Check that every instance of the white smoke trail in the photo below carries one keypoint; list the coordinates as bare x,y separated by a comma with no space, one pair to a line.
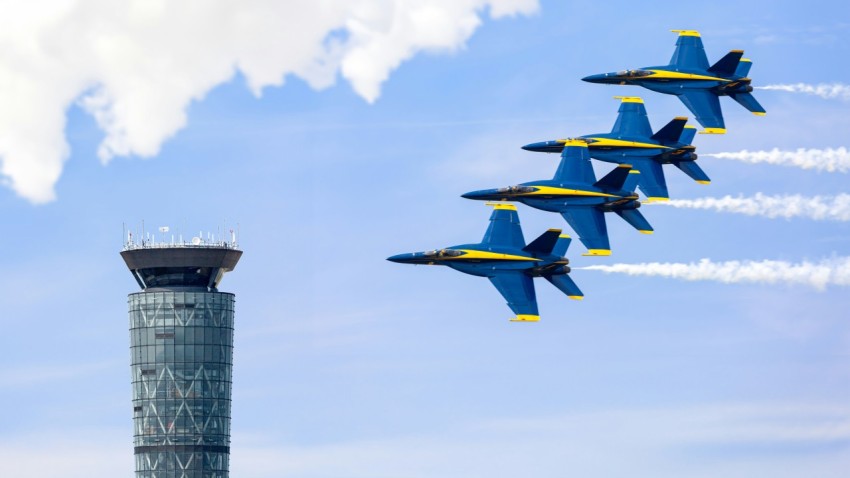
818,275
830,159
828,91
820,208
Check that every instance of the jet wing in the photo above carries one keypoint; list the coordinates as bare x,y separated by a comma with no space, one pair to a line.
632,120
518,289
705,105
589,224
689,53
651,180
575,163
504,228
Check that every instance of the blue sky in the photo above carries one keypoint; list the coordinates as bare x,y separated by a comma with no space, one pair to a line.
347,365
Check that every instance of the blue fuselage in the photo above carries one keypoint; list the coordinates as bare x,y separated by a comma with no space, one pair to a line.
554,196
482,260
612,148
672,81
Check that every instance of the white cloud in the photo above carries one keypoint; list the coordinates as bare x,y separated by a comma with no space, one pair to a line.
827,91
830,160
818,275
833,208
137,65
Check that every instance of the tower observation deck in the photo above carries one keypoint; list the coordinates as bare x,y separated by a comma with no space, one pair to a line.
181,343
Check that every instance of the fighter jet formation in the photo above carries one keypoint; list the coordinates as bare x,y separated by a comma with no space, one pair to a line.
510,264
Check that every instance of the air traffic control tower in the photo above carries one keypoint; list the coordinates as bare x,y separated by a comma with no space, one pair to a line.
181,342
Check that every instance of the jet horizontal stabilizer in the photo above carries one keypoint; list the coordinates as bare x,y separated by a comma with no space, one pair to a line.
748,101
566,285
693,170
636,219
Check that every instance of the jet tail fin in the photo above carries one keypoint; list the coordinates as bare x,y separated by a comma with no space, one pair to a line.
744,67
672,131
693,170
632,180
636,219
544,244
748,101
615,179
688,134
728,65
566,285
562,245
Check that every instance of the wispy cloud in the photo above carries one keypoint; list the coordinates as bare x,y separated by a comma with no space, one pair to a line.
30,375
827,91
137,68
668,441
835,271
822,208
830,160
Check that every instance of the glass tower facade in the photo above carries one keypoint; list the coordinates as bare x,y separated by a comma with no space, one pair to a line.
181,342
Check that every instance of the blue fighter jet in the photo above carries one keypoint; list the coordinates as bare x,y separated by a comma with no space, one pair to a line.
579,197
698,85
631,141
510,264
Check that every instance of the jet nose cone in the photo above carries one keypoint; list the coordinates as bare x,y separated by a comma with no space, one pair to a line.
401,258
481,195
544,147
600,78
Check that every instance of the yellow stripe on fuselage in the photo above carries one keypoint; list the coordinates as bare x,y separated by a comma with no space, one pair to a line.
472,254
553,191
580,142
678,75
619,143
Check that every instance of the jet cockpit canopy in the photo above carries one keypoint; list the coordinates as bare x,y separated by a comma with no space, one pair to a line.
516,189
443,253
633,73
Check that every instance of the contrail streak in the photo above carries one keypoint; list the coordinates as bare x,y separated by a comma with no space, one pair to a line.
820,208
830,159
827,91
818,275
